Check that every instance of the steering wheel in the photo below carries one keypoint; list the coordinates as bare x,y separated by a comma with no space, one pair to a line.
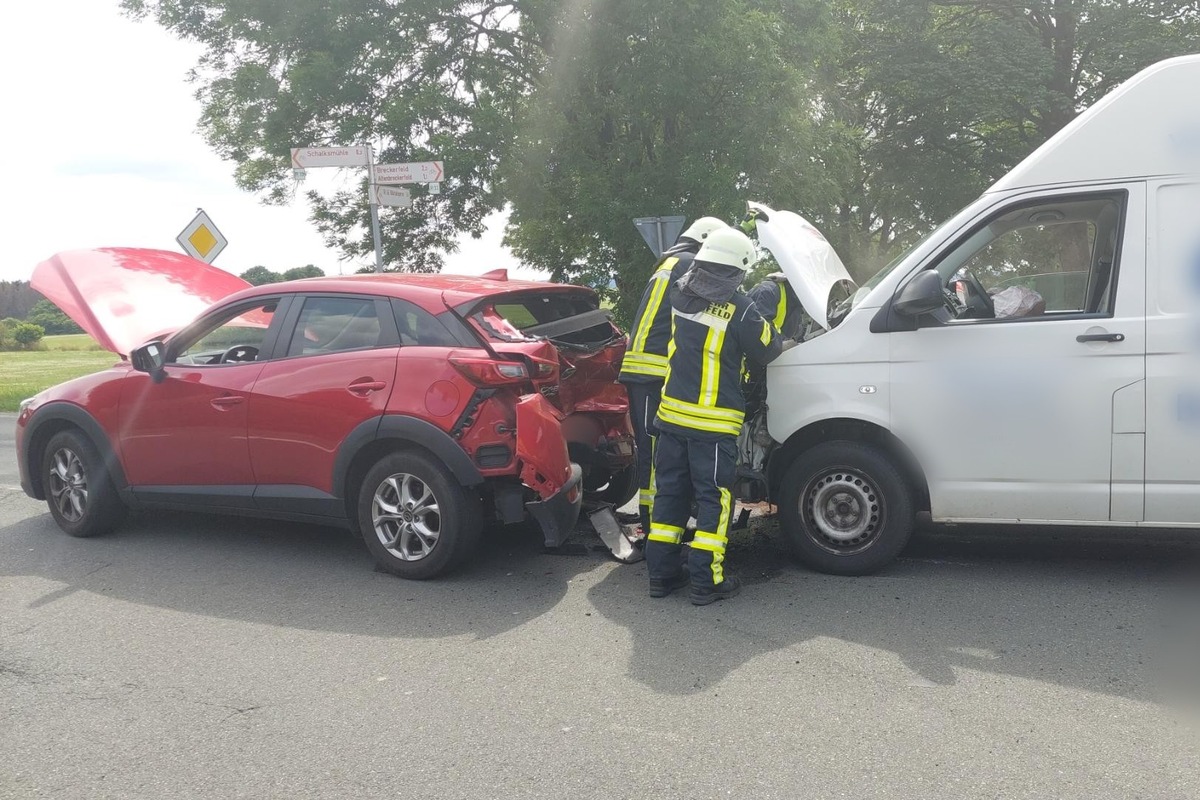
978,300
238,354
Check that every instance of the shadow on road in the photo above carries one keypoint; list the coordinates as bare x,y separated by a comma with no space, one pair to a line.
290,575
1101,611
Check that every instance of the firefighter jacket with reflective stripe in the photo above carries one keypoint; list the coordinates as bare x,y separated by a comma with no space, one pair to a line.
703,392
646,357
779,306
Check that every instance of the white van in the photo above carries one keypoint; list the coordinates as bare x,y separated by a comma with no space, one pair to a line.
1082,407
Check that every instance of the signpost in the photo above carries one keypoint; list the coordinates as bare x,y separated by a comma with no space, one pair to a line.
306,157
391,196
429,172
201,239
413,172
659,232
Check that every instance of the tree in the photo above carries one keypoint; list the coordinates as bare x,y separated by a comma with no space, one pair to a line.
876,119
929,102
257,276
51,319
307,271
581,119
655,109
16,298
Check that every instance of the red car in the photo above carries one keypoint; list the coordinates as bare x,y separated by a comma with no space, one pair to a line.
410,407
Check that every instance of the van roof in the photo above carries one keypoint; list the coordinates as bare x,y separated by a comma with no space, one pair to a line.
1148,126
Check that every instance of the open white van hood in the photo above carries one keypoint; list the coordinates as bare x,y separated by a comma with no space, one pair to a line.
812,267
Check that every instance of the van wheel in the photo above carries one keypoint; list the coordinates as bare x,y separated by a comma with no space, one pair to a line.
846,509
417,520
81,496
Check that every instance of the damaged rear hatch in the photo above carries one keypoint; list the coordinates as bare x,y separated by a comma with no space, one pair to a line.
572,405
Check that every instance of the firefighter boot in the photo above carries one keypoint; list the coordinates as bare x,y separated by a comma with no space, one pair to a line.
663,564
708,593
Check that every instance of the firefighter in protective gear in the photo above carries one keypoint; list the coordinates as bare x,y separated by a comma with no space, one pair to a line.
778,304
645,364
715,329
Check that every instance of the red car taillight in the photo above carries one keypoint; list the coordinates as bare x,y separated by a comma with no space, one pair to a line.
489,372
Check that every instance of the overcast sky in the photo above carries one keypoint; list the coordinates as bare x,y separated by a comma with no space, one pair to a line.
103,150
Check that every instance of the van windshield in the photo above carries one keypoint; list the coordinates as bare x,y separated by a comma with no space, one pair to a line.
849,304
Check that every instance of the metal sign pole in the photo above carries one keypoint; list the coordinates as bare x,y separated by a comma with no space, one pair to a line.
374,209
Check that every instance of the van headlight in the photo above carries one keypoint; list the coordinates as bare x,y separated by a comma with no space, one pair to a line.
26,404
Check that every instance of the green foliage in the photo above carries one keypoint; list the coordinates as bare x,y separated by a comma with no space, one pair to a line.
51,319
876,119
929,102
308,271
258,276
18,335
27,334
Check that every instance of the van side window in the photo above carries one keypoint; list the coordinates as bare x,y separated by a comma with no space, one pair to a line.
1055,257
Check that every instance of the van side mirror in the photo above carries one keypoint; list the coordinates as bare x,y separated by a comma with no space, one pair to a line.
921,295
151,358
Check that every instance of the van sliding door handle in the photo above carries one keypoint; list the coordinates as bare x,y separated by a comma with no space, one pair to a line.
1100,337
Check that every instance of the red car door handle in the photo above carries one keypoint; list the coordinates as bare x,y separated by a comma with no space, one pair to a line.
227,401
362,387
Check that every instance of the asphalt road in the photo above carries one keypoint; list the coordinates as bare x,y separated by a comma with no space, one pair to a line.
190,656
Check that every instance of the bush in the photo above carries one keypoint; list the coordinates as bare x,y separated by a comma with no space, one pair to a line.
26,334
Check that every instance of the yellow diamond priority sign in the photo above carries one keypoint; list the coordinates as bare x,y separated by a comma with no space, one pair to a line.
201,239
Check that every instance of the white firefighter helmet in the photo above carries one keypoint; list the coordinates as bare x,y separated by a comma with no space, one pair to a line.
699,230
729,247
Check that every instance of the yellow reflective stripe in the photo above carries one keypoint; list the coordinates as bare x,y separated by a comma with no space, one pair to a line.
661,278
698,424
671,534
765,337
726,511
654,372
716,545
710,412
645,358
781,311
707,541
644,364
710,368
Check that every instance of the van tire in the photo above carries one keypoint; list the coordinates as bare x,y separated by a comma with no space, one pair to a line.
845,508
458,519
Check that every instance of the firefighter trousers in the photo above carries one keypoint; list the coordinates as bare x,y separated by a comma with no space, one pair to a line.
643,409
688,469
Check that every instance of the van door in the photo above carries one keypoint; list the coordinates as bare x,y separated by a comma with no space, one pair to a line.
1173,354
1018,402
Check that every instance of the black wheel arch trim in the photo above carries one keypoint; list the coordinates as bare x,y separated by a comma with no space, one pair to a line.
77,416
408,429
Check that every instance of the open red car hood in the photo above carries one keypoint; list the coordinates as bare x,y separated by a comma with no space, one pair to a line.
125,296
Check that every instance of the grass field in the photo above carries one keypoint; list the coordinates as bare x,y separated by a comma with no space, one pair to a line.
27,372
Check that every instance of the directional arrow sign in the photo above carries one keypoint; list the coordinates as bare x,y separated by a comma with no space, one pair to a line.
201,239
391,196
414,172
304,157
